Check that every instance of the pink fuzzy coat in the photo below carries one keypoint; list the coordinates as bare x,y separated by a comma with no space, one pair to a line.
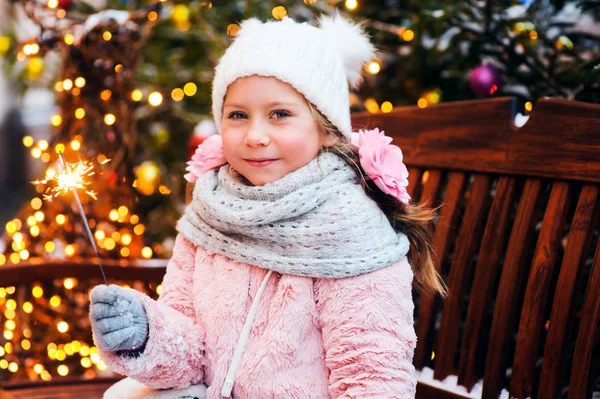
311,338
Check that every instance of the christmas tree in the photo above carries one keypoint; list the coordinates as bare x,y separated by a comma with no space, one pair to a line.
132,82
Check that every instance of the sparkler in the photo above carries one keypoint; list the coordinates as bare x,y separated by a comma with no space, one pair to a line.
73,176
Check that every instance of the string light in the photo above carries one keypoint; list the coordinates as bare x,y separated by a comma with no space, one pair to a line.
374,68
109,119
27,141
351,4
155,99
136,95
177,94
190,89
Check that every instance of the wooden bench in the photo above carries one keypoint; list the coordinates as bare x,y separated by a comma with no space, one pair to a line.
516,240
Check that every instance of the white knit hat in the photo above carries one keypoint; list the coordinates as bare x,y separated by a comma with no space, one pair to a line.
318,62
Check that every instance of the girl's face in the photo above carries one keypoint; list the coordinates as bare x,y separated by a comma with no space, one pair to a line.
268,129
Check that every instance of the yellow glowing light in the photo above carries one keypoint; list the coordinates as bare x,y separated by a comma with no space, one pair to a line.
408,35
80,82
39,216
61,219
36,152
233,29
126,239
8,334
38,368
164,190
52,3
85,350
177,94
119,68
279,12
136,95
528,106
2,351
31,221
55,301
37,291
27,333
139,229
155,99
134,219
109,119
62,327
95,357
374,68
152,16
125,252
56,120
13,367
86,362
371,105
3,364
351,4
387,107
101,365
36,203
69,349
45,157
60,148
8,347
10,325
2,260
49,247
147,252
67,84
109,244
11,304
10,290
45,376
106,95
62,370
24,254
27,307
70,250
190,89
61,14
123,211
99,234
34,231
26,344
27,141
79,113
113,215
11,227
159,289
58,86
69,283
107,36
75,145
69,39
422,103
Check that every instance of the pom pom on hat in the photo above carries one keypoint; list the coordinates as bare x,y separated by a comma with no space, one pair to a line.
352,43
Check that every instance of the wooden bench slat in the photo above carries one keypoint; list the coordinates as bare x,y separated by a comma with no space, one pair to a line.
414,182
589,332
460,272
441,244
565,295
486,272
506,309
538,285
480,136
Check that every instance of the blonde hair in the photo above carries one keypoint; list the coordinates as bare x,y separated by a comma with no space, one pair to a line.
416,221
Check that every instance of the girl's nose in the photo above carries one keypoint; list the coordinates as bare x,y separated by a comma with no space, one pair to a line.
257,136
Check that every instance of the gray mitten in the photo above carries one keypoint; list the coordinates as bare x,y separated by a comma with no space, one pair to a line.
119,321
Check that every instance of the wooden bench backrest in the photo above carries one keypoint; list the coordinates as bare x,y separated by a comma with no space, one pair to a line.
515,241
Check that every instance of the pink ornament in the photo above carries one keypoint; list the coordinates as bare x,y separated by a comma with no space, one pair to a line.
208,156
382,162
485,80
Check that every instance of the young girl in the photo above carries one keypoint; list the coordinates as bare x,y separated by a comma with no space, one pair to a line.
290,276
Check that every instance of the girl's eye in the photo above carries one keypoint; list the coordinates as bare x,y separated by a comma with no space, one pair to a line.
280,114
237,115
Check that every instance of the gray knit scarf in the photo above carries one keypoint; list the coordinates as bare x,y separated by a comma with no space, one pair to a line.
316,221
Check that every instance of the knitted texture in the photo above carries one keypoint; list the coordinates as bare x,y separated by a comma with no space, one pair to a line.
316,221
318,62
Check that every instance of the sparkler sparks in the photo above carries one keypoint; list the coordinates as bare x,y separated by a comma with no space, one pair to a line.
71,176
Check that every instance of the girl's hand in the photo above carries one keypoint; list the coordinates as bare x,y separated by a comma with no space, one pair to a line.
119,321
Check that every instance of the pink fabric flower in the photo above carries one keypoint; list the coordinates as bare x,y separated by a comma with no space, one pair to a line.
208,156
382,162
